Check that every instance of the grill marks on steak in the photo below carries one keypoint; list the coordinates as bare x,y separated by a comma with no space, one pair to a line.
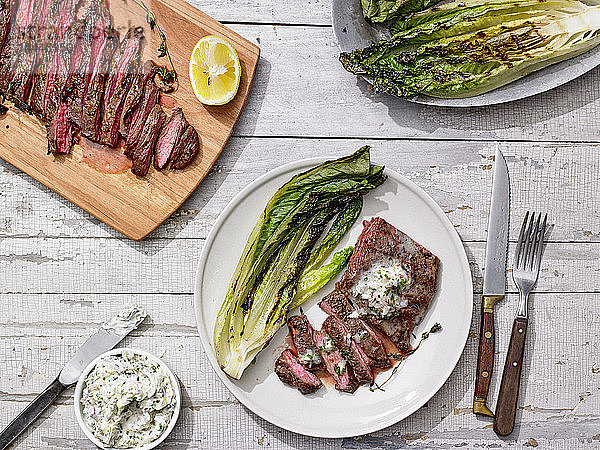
290,371
380,241
124,71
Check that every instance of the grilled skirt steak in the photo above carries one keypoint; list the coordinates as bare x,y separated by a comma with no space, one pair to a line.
52,71
169,138
150,98
380,243
335,363
349,349
336,303
186,150
62,60
290,371
302,335
8,9
143,152
124,71
19,41
61,132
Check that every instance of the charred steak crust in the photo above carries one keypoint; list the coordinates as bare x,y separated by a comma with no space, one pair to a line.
335,364
349,349
186,150
169,138
142,154
302,336
62,61
337,303
380,241
291,372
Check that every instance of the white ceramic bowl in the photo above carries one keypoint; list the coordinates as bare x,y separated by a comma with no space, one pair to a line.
79,390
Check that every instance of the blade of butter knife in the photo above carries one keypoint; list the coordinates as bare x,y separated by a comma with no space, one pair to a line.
98,343
494,280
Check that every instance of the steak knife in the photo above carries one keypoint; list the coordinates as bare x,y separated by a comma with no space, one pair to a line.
109,335
494,282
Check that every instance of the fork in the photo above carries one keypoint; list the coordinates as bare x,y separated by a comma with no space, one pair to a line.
526,268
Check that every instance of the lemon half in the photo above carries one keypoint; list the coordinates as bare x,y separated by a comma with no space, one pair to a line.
214,71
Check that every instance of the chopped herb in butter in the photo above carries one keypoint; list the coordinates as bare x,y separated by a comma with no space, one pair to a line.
128,400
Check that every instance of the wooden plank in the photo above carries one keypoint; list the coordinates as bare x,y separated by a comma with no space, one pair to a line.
136,205
559,403
81,266
312,12
302,90
558,178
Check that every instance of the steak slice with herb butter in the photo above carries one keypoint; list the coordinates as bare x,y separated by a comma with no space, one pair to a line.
391,279
302,335
291,372
336,303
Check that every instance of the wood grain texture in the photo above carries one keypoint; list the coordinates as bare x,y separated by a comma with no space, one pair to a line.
64,271
508,395
485,361
135,205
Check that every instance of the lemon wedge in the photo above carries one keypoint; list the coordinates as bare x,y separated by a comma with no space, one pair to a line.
214,71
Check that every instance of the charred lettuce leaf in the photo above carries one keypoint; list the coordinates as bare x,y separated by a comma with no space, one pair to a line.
465,49
279,253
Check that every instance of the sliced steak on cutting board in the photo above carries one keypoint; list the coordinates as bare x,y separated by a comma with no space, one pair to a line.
380,242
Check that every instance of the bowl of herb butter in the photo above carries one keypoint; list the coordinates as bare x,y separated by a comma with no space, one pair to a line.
127,398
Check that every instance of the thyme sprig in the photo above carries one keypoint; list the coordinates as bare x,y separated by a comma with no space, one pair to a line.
169,77
402,356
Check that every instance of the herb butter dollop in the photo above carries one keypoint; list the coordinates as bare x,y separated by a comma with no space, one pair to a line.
128,400
383,287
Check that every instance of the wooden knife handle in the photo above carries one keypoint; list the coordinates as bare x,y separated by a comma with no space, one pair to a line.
506,407
485,356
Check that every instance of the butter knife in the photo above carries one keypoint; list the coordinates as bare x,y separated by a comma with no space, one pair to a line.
494,282
109,335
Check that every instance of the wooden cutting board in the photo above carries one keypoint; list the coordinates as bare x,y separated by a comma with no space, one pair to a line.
137,205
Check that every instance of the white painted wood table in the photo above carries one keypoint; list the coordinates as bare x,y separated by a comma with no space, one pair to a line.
63,272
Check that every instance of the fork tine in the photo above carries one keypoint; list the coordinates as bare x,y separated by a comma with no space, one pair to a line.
534,242
540,245
527,243
519,248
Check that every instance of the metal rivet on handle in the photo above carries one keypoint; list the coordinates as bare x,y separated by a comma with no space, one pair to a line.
485,374
520,330
515,364
488,334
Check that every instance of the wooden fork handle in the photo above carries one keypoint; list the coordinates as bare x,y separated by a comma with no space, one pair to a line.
506,407
485,356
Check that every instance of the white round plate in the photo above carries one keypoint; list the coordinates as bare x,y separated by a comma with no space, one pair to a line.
326,412
352,31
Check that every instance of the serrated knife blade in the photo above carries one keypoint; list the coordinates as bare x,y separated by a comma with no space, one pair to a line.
494,278
494,281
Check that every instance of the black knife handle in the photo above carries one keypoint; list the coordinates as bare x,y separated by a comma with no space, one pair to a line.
32,412
485,356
